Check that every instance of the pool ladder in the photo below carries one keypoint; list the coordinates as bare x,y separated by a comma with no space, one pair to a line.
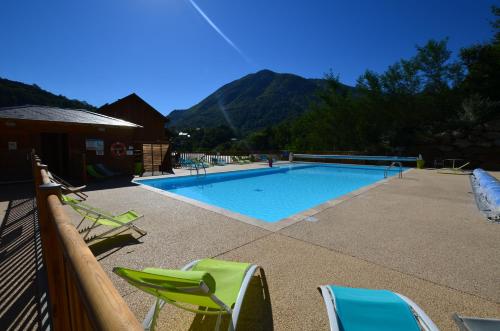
197,167
394,164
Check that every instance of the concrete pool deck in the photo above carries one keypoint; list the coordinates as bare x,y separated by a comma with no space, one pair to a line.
421,236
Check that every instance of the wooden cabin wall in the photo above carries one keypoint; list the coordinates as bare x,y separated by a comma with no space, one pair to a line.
15,164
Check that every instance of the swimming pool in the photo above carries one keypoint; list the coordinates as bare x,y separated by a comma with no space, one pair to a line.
272,194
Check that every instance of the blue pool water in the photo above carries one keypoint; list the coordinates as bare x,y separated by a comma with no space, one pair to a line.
274,193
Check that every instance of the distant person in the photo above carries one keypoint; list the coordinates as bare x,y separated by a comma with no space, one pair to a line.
270,161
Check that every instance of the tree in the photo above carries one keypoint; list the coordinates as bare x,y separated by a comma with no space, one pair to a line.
482,82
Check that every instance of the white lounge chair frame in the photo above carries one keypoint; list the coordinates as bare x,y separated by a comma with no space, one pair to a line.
329,298
455,171
464,323
65,186
95,224
149,323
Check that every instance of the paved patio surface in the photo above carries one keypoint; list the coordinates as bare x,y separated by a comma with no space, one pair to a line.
421,236
23,289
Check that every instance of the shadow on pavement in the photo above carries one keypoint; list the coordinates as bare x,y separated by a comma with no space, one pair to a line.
256,310
113,244
23,291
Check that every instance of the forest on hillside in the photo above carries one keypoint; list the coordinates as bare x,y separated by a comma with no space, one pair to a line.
14,93
414,100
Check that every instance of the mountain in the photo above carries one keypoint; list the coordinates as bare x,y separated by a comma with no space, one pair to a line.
14,93
253,102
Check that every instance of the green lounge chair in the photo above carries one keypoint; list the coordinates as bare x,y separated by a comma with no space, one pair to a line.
237,160
244,159
138,169
105,170
94,173
100,218
208,287
359,309
456,170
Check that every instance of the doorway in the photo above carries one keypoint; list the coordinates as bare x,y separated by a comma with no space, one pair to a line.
54,148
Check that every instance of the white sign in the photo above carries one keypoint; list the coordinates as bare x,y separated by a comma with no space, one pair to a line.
95,145
12,145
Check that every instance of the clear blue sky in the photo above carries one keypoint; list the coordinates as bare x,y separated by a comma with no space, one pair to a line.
166,51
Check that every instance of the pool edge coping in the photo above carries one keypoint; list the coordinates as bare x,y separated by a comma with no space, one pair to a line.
282,223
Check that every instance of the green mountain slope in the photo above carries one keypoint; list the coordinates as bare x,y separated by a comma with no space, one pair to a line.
253,102
14,93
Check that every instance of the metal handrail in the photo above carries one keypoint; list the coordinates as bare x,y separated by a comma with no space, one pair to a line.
393,164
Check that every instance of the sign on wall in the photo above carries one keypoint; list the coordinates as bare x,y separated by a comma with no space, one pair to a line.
96,145
12,145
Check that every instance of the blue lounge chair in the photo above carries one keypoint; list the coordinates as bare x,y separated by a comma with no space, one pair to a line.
186,163
218,161
358,309
193,165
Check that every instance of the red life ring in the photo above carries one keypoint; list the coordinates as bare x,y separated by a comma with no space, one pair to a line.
118,149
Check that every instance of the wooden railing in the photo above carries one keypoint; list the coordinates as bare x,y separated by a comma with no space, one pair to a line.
81,295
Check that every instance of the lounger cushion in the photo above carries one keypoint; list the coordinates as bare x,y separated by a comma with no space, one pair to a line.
365,310
181,278
223,278
172,285
228,276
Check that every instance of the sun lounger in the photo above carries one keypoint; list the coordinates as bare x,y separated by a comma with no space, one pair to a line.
476,324
207,287
66,187
184,163
455,171
105,171
244,159
138,169
101,218
239,160
201,164
218,161
191,165
356,309
94,173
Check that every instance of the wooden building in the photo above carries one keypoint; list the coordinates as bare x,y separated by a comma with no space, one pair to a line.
151,141
64,139
134,109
